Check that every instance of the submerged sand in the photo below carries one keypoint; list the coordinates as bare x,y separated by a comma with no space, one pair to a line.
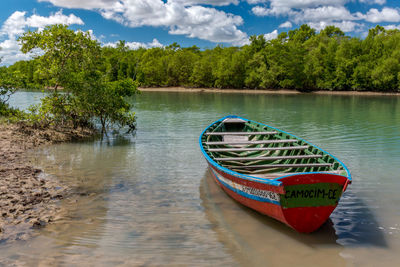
28,199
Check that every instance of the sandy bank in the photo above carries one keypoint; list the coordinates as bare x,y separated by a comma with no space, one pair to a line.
252,91
28,199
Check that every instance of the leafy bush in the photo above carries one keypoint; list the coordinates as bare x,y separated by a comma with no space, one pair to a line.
73,62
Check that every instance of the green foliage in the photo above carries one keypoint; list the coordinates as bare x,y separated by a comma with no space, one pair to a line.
105,100
10,113
58,109
66,52
75,63
202,75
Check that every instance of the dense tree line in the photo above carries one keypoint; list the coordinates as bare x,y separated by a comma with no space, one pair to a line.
299,59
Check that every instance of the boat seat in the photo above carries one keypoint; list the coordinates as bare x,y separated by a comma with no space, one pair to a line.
276,175
294,165
253,142
269,158
257,149
241,133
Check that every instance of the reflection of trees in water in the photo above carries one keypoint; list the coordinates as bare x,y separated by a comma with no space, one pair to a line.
92,172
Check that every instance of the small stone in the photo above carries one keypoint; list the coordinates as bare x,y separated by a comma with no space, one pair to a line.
36,223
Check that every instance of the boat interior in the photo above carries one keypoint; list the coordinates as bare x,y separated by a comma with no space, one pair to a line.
258,150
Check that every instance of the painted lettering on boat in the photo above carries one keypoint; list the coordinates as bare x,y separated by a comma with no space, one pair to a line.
311,195
316,193
260,193
264,194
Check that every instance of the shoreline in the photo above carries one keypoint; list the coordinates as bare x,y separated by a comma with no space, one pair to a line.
28,198
263,91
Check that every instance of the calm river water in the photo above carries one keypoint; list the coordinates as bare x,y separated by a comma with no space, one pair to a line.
149,199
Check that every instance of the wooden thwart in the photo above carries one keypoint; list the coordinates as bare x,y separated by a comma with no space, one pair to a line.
241,133
269,158
253,142
234,120
280,174
240,149
266,166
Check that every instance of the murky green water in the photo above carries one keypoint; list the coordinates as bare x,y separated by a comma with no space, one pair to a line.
149,199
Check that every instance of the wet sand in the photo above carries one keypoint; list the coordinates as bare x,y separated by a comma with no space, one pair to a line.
262,91
28,198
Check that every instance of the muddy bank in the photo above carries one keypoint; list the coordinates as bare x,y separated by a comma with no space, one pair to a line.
263,91
28,198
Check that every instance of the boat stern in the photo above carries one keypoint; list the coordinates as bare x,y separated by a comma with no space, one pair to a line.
309,199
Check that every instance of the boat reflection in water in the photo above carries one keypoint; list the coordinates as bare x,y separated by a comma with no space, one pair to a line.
254,239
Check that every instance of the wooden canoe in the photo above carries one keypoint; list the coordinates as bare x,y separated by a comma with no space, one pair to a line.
274,172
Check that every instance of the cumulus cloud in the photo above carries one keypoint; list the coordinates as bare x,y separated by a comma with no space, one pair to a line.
371,2
392,27
286,24
321,13
261,11
385,15
87,4
17,23
324,13
253,2
271,35
37,21
208,24
118,4
137,45
182,17
208,2
287,7
10,52
345,26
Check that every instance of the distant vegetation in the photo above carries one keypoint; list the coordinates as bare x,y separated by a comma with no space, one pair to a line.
96,80
299,59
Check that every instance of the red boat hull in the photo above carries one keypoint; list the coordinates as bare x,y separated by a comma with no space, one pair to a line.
303,202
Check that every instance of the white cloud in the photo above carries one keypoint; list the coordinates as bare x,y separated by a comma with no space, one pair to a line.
271,35
385,15
10,52
36,21
286,24
261,11
325,13
371,2
392,27
17,23
287,7
209,24
253,2
321,13
86,4
118,4
345,26
137,45
187,18
207,2
14,25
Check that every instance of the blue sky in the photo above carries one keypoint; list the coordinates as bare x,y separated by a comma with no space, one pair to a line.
152,23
